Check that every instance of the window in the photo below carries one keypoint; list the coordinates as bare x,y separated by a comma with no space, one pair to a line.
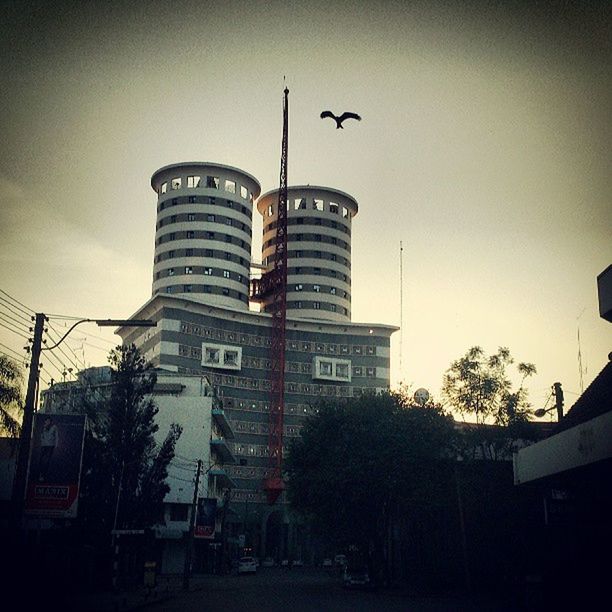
210,218
270,210
230,186
173,219
176,183
316,305
174,201
316,288
187,288
168,289
190,217
190,235
188,252
332,307
211,355
244,192
342,370
208,271
208,253
170,271
333,208
164,187
325,368
192,199
188,270
345,212
299,287
299,203
317,204
212,182
371,372
193,181
230,358
225,291
170,254
332,290
172,236
226,273
211,236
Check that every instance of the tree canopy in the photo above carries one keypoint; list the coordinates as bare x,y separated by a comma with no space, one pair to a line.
124,469
356,462
11,403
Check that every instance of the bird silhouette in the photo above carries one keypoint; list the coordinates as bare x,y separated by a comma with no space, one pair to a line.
341,118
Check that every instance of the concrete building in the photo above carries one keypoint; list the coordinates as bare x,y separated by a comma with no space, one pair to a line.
204,325
187,400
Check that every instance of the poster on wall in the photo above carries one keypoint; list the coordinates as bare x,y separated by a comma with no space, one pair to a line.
205,518
55,465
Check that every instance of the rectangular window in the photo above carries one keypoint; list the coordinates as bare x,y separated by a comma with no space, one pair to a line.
188,252
193,181
210,218
333,208
230,186
190,235
192,199
332,290
316,288
299,287
170,271
342,370
345,212
208,271
371,372
188,270
211,355
270,210
325,368
317,204
244,192
187,288
316,305
226,273
176,183
164,187
230,358
212,182
190,217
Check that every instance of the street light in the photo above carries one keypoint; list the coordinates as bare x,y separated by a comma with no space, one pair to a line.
19,482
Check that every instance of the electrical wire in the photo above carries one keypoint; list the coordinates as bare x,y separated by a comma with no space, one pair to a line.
18,305
14,331
15,321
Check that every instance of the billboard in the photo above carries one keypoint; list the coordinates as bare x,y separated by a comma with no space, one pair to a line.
205,518
55,465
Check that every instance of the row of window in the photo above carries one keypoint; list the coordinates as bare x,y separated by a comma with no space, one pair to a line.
300,410
202,235
308,305
318,272
194,199
251,473
300,254
258,428
312,238
208,182
312,204
304,346
207,289
319,289
211,253
200,218
204,271
317,221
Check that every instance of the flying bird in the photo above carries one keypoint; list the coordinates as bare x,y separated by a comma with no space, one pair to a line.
341,118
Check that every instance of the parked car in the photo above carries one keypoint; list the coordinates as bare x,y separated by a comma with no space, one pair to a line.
285,563
297,563
247,565
327,563
340,560
356,577
268,562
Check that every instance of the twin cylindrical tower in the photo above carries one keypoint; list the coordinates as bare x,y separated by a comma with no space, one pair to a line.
204,230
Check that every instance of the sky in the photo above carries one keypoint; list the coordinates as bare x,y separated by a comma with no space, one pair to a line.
483,150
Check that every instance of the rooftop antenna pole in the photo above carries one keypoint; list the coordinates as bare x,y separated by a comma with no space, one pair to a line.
401,308
580,352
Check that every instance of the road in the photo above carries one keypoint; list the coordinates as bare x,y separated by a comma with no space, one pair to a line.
307,590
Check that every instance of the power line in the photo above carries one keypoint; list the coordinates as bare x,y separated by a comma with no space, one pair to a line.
17,321
14,331
25,309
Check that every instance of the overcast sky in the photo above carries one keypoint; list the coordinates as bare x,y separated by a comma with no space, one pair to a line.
484,149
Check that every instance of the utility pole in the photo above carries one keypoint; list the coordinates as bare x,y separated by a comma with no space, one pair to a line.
21,471
189,547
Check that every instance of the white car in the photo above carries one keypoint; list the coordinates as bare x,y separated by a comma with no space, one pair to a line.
247,565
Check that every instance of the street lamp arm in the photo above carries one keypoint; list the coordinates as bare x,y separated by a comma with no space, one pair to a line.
48,348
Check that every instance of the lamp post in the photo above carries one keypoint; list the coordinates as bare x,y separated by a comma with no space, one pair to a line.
19,482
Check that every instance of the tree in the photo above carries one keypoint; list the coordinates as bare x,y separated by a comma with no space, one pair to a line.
357,463
11,404
480,387
124,470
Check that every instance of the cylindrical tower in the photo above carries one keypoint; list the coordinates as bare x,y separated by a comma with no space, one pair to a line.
203,232
318,250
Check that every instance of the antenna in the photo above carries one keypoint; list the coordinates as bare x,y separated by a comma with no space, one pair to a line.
401,308
580,352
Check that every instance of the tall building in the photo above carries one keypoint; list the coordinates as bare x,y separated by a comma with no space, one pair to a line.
204,325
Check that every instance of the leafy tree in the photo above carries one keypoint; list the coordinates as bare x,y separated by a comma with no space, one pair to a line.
124,469
479,386
357,463
11,404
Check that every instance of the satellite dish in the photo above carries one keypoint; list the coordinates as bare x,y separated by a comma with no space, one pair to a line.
421,396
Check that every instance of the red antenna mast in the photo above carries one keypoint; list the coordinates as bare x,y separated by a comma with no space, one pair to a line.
274,284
